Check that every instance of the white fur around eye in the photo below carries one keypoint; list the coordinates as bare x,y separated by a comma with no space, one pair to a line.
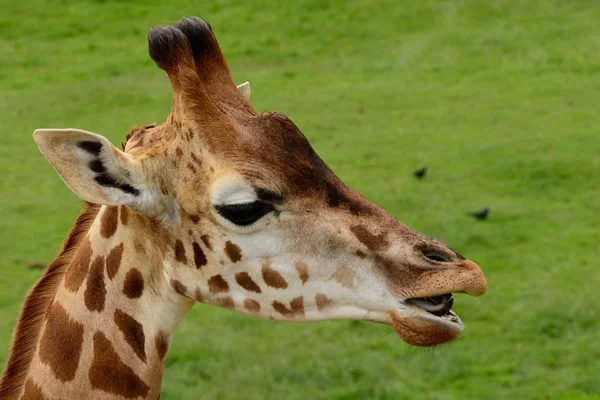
233,193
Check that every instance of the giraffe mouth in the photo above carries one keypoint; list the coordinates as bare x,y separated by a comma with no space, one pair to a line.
440,305
435,308
427,321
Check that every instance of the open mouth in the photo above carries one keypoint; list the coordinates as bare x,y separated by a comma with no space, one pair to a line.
440,306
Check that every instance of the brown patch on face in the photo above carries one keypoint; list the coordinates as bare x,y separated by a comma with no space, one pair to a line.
178,152
199,257
32,391
191,167
302,269
233,251
133,332
345,276
110,374
113,261
190,134
206,240
273,278
217,284
225,302
195,218
95,289
244,280
322,301
361,254
180,252
161,341
134,284
124,214
296,307
79,267
109,221
60,346
196,159
373,242
179,287
252,305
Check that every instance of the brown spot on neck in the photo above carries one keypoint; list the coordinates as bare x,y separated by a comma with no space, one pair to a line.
373,242
252,305
322,301
95,290
124,214
225,302
233,251
133,332
113,261
206,240
244,280
199,257
161,341
296,307
110,374
195,218
178,287
79,266
180,252
302,269
217,284
29,326
32,391
60,346
273,278
109,221
134,284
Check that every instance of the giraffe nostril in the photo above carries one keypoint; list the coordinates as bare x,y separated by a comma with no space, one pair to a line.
436,256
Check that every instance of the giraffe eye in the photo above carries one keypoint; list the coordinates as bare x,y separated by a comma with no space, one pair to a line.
244,214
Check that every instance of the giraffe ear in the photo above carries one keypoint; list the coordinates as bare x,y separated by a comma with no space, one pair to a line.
245,89
97,171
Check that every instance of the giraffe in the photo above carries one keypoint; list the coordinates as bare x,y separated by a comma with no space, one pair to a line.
219,204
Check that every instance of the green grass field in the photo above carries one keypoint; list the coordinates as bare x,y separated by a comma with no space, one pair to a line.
500,99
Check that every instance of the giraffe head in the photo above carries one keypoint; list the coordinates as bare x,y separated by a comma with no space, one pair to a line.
248,217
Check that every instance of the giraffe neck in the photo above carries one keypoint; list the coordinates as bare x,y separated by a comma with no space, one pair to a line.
109,326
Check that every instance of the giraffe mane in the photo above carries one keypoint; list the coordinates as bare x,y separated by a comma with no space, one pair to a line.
28,330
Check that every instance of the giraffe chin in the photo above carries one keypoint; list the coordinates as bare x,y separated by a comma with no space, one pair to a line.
420,328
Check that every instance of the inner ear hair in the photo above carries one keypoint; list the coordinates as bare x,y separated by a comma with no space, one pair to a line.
102,175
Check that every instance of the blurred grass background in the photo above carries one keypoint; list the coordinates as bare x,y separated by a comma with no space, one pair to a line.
499,99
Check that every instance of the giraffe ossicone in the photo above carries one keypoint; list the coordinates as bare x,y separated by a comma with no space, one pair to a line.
219,204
